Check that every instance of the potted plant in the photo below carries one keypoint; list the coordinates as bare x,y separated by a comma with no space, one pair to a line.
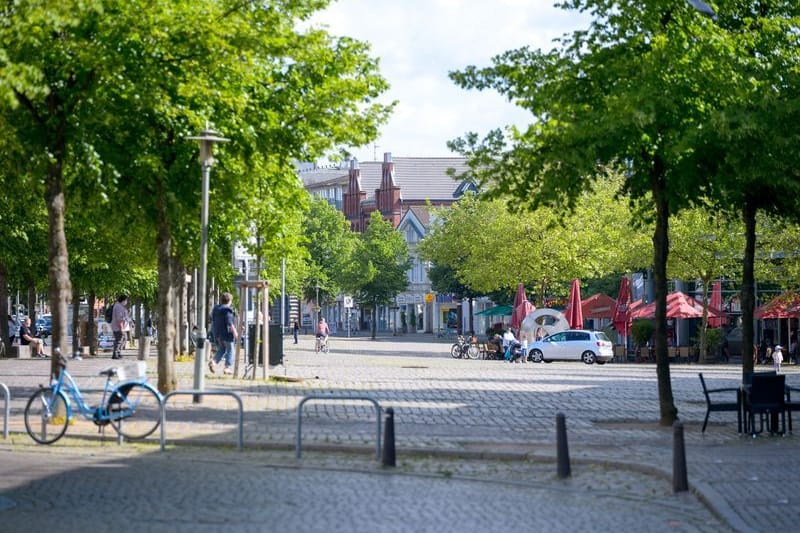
641,333
403,323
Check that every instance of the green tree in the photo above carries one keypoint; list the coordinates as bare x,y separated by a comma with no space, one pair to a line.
749,149
630,90
378,272
542,248
705,245
330,244
119,87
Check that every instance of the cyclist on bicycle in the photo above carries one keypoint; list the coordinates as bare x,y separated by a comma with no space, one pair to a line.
322,332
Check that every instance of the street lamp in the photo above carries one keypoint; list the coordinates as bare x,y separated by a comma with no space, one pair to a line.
207,138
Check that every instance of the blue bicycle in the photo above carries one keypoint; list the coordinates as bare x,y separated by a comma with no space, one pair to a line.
131,405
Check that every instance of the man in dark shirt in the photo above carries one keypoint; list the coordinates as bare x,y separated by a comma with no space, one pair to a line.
26,338
223,328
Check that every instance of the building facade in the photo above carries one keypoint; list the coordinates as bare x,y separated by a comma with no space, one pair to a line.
406,191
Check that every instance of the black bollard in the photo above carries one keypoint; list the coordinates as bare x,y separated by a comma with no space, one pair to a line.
562,449
388,439
680,480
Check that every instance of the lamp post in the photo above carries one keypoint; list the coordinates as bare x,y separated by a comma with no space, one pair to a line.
207,138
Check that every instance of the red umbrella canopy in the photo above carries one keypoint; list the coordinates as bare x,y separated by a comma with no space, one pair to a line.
622,311
598,306
574,312
521,307
679,305
716,303
786,305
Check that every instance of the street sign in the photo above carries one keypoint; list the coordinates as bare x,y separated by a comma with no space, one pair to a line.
348,302
428,298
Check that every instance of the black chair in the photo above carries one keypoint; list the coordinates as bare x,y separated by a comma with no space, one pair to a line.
734,406
790,405
747,382
767,398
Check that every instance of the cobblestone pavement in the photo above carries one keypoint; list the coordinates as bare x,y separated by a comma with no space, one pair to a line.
500,416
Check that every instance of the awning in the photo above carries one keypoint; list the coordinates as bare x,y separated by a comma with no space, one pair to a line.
497,310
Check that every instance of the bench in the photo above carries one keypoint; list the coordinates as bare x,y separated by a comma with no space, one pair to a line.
20,351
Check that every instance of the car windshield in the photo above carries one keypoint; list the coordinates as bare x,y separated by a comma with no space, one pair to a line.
601,336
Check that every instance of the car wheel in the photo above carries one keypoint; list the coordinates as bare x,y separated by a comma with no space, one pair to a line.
588,357
536,356
600,362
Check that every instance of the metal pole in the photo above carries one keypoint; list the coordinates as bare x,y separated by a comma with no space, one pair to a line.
200,358
283,295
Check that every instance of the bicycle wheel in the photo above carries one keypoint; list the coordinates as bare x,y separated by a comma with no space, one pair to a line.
46,416
473,352
134,410
455,351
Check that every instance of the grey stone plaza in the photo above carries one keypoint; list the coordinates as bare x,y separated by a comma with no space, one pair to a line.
475,442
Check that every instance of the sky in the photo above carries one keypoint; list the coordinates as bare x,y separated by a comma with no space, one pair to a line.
420,41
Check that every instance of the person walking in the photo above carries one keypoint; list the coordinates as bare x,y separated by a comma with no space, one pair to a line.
119,318
777,358
295,330
223,327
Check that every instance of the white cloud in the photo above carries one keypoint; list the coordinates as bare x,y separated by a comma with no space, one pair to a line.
420,41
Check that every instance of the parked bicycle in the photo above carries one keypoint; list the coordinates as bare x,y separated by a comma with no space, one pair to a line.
463,349
131,405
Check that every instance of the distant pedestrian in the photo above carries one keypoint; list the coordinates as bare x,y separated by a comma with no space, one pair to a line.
777,358
119,318
295,330
12,330
223,327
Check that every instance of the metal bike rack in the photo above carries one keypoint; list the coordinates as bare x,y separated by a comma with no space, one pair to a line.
299,445
202,393
7,410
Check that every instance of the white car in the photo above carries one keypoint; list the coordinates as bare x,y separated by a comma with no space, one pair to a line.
573,344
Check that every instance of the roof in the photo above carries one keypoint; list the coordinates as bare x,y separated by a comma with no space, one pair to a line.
419,178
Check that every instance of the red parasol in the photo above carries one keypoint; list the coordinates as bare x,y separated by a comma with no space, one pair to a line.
622,313
574,312
716,303
786,305
678,306
521,307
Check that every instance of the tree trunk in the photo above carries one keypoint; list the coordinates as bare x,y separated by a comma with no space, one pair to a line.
31,300
4,306
175,271
167,381
471,317
76,321
375,320
668,411
704,322
91,333
748,287
59,289
191,306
